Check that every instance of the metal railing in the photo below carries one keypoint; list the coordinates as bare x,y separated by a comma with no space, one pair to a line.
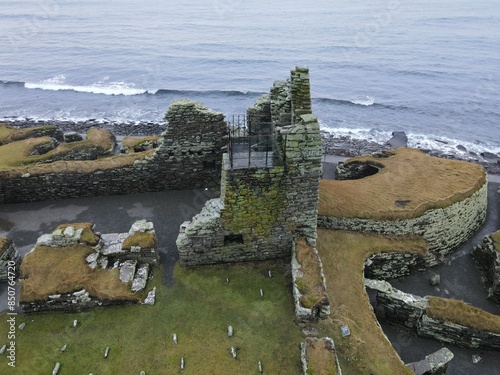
249,150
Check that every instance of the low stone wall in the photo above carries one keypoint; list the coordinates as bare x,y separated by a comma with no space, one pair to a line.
134,265
409,311
189,157
487,256
444,229
318,356
9,260
316,293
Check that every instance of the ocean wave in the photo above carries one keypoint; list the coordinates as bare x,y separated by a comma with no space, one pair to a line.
204,93
105,87
58,83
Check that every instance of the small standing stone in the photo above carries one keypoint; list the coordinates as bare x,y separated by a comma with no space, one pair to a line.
22,325
261,293
56,368
233,352
142,373
174,338
75,323
63,349
106,352
2,350
230,331
270,274
227,280
260,367
182,363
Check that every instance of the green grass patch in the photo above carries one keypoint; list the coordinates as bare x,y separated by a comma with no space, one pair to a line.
320,360
459,312
420,181
366,350
145,240
198,308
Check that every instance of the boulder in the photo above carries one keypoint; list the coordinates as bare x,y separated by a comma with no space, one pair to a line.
399,139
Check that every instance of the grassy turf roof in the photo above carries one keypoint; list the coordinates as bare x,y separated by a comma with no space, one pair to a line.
10,134
132,142
459,312
366,350
48,270
409,184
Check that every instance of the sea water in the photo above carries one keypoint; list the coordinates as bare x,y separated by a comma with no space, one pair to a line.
429,68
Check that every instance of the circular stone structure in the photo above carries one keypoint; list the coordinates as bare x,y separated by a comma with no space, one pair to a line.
442,200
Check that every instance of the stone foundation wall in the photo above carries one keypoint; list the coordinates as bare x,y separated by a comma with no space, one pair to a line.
10,260
444,230
309,359
409,311
487,257
321,307
189,157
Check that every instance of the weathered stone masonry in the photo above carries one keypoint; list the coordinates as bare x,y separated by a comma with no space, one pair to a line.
487,256
261,209
410,311
189,157
444,229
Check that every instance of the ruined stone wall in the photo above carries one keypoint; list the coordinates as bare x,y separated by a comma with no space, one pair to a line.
487,257
261,209
189,157
444,229
409,311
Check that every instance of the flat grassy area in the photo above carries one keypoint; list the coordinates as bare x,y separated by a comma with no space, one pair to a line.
410,183
459,312
366,350
4,244
49,270
198,308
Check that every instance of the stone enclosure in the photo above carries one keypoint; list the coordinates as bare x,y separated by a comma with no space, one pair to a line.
103,269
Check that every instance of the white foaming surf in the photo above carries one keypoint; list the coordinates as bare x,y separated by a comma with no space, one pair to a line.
104,86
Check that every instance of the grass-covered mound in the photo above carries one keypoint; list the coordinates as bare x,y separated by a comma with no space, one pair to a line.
198,308
50,270
21,152
459,312
408,184
10,134
366,350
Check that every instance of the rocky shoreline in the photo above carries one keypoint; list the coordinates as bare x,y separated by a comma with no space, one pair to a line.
339,145
349,147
